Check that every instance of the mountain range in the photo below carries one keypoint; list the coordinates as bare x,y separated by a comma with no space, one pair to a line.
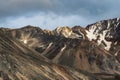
77,53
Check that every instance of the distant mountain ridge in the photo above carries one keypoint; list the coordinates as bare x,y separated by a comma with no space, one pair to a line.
95,49
105,33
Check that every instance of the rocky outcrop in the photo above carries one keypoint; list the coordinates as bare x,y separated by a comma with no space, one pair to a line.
67,33
106,34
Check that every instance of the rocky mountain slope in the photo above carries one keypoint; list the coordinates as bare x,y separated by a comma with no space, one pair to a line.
19,62
106,34
95,49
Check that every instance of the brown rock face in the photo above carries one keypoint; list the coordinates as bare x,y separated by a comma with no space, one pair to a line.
83,55
63,31
67,33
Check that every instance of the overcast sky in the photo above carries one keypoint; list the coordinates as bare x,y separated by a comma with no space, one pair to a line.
49,14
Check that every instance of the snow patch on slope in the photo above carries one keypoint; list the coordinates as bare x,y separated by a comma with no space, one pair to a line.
93,34
50,45
63,48
24,41
90,34
102,38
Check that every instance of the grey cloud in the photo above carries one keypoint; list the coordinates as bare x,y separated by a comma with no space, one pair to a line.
90,9
46,21
81,7
17,7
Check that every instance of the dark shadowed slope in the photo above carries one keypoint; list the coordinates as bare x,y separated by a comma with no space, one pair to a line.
18,62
